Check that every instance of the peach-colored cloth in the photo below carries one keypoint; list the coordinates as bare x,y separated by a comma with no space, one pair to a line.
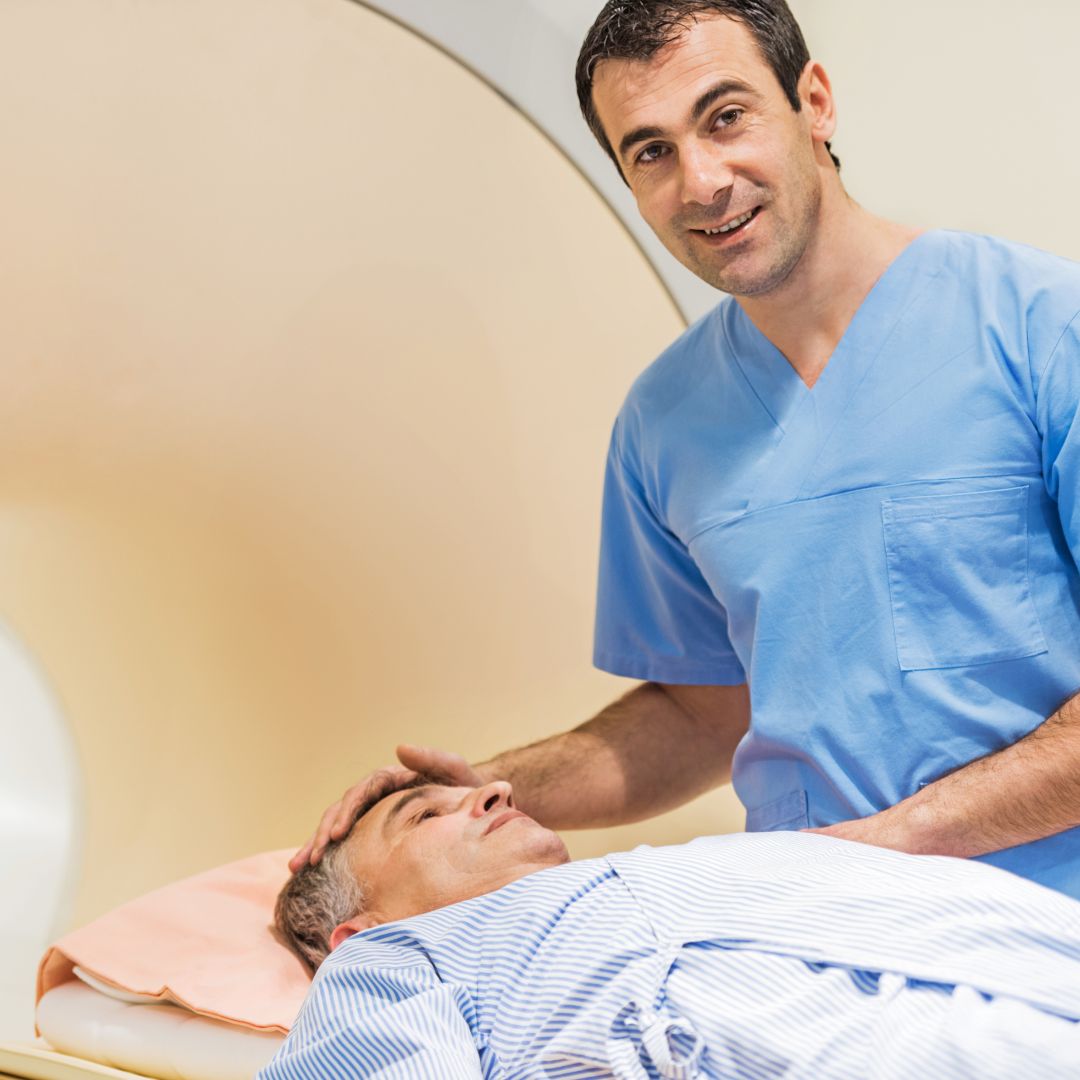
205,942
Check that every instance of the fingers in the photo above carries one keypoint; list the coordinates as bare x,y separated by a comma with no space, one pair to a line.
300,859
323,833
338,818
417,758
372,788
313,849
441,764
427,760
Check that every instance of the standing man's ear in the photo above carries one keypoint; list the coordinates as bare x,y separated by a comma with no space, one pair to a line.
818,102
345,930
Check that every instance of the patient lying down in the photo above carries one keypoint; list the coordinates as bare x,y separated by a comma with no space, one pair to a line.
463,942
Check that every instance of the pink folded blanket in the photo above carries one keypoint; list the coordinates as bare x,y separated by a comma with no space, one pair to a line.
206,943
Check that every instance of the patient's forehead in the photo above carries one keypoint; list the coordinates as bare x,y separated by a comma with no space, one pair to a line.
391,812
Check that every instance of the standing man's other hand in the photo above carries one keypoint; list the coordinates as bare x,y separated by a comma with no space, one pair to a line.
890,828
415,761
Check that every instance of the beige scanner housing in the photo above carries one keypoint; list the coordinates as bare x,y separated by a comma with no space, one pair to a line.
312,349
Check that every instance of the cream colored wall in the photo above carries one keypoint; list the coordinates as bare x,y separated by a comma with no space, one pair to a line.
312,350
959,114
312,345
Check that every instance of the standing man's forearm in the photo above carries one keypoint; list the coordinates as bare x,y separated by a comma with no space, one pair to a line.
1025,792
652,750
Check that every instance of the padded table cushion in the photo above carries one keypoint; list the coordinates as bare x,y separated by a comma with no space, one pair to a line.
162,1041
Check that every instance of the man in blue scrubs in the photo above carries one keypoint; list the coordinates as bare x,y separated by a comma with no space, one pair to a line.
840,525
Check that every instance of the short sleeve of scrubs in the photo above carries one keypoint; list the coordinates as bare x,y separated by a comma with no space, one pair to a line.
656,618
1058,419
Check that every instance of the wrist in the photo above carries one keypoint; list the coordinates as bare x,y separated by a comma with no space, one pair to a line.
489,770
912,826
925,825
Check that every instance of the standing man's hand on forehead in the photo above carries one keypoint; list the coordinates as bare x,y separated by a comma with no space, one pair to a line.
441,765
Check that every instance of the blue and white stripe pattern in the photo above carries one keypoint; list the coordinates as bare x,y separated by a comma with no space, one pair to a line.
761,956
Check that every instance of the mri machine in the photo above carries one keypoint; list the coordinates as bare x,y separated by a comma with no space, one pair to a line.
320,314
324,311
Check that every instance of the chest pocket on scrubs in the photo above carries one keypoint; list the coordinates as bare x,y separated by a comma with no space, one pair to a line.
958,578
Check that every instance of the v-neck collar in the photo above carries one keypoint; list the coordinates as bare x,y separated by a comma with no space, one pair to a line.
777,384
805,418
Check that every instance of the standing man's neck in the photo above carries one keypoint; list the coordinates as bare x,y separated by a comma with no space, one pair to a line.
807,315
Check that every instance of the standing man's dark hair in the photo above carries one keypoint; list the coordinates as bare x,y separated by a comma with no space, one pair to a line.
637,29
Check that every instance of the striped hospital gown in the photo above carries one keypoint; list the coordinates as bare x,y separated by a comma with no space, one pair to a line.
761,955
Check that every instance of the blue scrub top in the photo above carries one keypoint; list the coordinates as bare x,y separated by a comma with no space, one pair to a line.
889,559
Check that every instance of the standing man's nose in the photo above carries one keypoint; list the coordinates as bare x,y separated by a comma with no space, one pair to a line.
705,174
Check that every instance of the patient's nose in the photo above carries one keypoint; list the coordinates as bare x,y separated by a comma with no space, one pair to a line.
492,796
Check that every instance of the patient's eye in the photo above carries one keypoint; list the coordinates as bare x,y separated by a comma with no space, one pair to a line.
425,814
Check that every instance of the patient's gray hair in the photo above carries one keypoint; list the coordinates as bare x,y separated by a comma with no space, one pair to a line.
319,898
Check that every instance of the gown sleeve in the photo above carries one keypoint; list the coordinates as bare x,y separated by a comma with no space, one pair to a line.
388,1017
656,617
1057,414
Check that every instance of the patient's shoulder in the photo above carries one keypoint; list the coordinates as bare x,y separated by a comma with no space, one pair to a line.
529,901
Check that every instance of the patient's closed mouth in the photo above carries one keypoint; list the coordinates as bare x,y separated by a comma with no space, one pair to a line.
502,818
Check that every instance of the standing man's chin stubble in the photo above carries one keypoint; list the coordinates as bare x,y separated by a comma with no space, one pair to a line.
730,280
781,251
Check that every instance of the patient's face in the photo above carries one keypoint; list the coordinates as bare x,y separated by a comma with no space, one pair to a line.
428,847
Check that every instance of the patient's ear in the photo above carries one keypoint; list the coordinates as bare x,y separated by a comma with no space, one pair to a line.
345,930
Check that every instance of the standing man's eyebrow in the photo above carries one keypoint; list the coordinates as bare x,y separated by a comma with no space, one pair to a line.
412,796
721,89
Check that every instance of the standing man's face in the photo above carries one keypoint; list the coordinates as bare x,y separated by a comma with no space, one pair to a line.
705,135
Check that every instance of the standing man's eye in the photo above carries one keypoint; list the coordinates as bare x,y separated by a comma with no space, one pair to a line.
734,113
643,160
